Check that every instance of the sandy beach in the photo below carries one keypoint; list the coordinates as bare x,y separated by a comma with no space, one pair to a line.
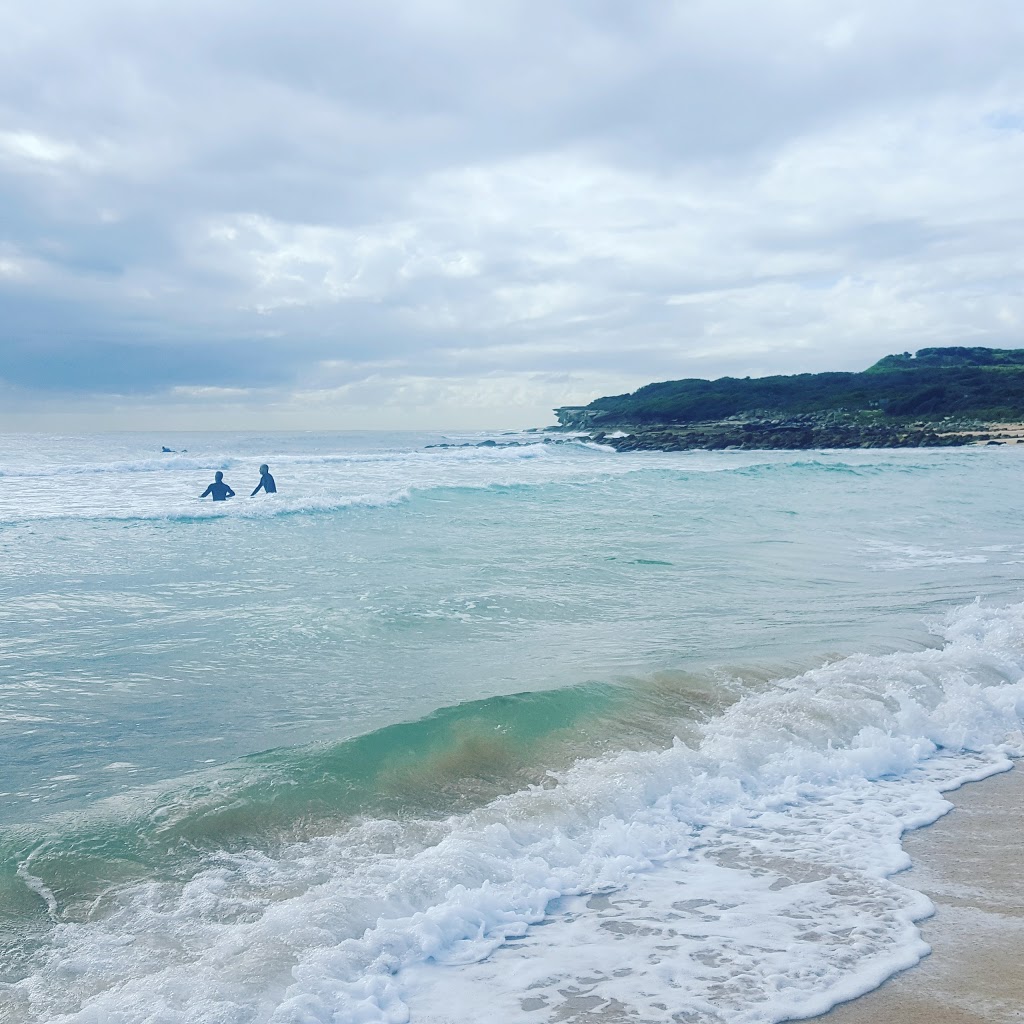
970,864
1008,431
1004,433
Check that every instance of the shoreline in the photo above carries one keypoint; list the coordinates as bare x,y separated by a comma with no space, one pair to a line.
969,864
801,432
807,432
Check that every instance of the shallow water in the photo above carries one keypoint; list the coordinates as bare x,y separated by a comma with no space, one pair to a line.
546,722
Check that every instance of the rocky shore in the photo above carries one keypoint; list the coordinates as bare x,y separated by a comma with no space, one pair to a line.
759,433
804,431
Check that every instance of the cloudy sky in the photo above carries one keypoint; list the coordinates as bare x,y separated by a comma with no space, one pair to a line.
460,213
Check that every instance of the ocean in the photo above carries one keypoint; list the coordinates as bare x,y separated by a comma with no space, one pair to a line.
530,731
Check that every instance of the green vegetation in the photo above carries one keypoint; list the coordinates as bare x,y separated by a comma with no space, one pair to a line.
976,383
956,355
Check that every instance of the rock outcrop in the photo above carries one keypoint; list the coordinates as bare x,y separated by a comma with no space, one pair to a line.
795,432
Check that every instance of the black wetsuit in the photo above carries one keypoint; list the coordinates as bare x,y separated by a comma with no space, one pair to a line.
218,490
267,483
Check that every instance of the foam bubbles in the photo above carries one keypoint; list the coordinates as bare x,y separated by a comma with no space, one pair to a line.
746,877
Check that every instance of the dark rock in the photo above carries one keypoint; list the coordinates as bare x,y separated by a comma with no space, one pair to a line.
798,432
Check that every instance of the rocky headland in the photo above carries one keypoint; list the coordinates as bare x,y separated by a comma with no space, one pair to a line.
937,398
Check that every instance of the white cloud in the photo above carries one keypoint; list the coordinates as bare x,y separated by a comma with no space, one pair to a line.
216,394
278,264
37,149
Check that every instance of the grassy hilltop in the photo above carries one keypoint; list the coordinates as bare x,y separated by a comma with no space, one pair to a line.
983,384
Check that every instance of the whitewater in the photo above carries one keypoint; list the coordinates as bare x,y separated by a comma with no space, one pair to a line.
531,729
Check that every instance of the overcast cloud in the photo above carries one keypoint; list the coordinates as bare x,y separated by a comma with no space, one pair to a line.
446,213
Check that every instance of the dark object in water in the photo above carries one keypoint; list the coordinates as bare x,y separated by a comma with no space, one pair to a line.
218,490
266,482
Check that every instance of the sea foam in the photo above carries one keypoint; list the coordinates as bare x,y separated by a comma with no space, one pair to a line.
746,876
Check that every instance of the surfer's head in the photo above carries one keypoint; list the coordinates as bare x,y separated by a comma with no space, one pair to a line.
264,469
218,476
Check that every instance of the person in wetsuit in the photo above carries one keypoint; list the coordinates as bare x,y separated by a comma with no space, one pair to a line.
218,490
266,482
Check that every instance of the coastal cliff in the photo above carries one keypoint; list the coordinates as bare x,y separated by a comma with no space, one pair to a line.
938,397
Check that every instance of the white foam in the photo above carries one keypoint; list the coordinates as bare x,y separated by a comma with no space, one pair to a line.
746,879
44,485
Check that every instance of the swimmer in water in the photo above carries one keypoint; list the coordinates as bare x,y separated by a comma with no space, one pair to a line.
218,490
266,482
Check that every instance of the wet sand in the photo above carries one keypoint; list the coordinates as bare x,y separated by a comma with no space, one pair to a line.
970,863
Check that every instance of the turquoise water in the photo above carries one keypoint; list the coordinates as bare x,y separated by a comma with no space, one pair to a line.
452,689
